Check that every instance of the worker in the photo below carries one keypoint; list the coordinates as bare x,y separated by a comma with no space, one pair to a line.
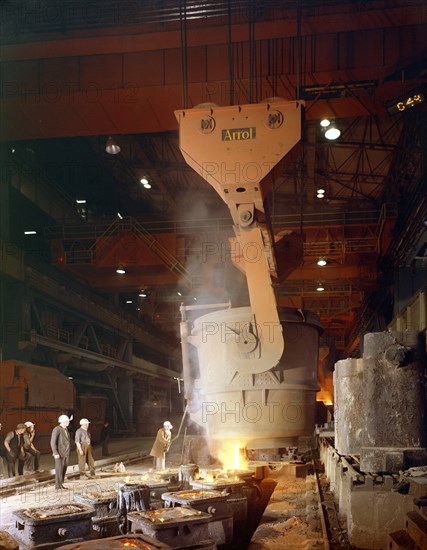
84,448
32,460
14,446
60,444
162,445
105,437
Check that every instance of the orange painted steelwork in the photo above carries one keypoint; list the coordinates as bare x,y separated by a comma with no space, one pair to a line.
34,393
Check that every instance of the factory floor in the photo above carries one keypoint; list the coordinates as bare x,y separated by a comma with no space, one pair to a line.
291,519
38,494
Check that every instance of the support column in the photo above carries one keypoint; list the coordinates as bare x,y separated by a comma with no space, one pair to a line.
5,177
14,321
125,396
348,416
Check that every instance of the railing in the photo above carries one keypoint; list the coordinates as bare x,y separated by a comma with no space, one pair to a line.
88,305
79,257
325,219
84,342
108,350
127,224
102,241
214,225
161,252
60,335
56,333
414,314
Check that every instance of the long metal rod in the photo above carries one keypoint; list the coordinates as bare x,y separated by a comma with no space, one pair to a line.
147,368
185,347
205,306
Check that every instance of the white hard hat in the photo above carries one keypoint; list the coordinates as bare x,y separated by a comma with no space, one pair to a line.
63,418
29,424
167,424
84,421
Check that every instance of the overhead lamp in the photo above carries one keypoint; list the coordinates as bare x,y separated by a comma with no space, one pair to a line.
330,129
325,123
128,301
121,270
320,287
142,295
332,132
179,293
81,201
321,262
112,147
30,232
145,183
119,216
320,193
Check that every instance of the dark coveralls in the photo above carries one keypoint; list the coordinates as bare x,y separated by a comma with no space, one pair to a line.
60,445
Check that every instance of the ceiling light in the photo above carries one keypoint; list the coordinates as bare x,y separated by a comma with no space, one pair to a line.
320,287
81,201
145,183
179,293
332,132
321,191
195,299
142,295
112,147
119,215
320,196
128,301
325,123
120,270
321,262
31,232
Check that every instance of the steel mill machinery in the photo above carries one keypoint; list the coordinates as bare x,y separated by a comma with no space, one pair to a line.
248,390
36,393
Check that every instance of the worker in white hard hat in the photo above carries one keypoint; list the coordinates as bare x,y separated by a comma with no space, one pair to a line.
15,450
61,444
162,445
32,461
84,448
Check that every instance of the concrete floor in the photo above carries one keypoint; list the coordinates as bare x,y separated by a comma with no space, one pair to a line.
291,520
116,447
44,494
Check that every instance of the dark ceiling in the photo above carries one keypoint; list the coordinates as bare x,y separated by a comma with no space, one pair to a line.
74,73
